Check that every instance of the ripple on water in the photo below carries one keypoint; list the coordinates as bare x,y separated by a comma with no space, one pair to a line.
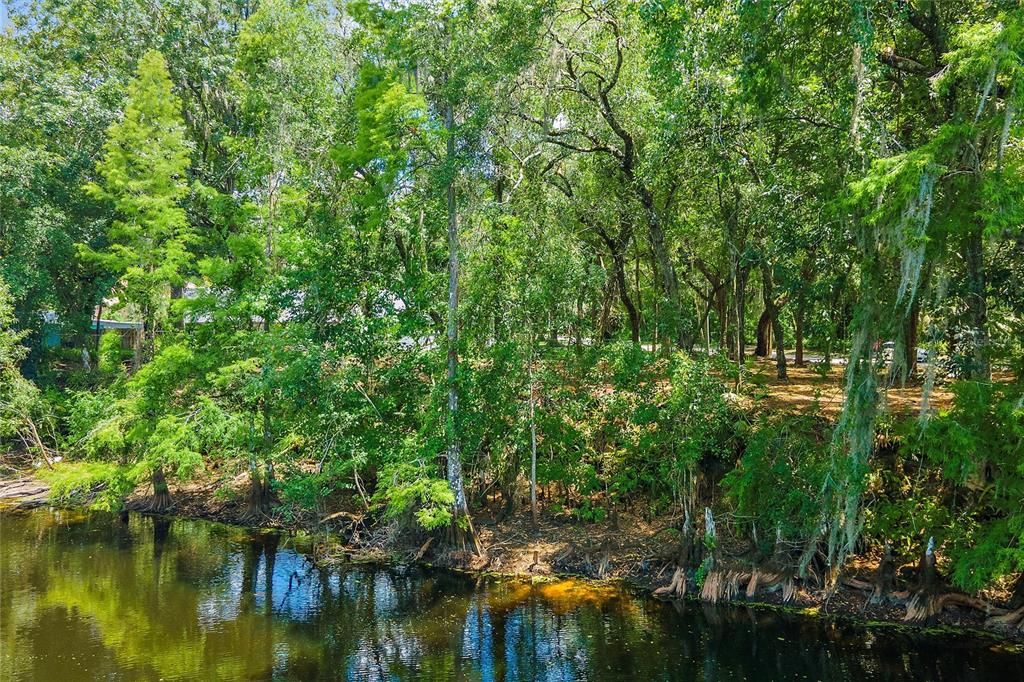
86,596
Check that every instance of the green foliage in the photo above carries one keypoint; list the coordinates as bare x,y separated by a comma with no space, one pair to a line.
20,403
387,115
701,418
589,513
776,489
701,574
976,449
111,356
150,420
410,491
143,171
101,485
95,427
635,190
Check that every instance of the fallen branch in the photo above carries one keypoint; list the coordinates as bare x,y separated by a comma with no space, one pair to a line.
423,549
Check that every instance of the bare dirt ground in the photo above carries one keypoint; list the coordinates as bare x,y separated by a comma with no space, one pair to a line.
807,388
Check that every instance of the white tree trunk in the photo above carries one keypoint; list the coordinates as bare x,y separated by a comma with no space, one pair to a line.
454,468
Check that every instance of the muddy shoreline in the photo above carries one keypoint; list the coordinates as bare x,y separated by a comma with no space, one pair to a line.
633,554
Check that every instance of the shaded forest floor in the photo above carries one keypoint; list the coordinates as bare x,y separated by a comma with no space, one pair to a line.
807,388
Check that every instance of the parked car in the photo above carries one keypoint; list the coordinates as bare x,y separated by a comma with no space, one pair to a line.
888,350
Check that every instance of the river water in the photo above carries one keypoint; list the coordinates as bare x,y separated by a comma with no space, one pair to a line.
86,596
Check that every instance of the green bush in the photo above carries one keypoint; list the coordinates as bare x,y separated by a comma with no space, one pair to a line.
776,488
111,356
976,452
409,490
101,485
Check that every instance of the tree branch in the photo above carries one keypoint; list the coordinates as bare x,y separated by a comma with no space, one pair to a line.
905,64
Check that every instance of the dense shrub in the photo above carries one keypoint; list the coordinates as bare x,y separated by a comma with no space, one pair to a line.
969,492
775,490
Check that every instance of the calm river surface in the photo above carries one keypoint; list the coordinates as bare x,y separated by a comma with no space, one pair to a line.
87,597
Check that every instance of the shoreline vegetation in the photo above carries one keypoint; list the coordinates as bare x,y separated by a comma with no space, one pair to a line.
559,551
726,298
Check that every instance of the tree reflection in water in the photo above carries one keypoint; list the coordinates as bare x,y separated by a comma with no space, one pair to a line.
89,596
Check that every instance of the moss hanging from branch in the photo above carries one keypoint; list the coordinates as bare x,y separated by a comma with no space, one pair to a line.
907,181
855,434
912,236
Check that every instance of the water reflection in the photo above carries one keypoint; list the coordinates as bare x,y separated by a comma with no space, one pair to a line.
94,596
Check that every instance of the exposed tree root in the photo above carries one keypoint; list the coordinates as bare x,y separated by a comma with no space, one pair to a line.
885,577
761,579
923,602
728,584
675,589
259,498
1009,620
922,607
423,549
460,532
857,584
788,589
714,586
1017,593
161,500
927,600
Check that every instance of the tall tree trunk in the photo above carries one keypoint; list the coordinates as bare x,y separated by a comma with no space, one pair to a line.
669,281
807,274
780,347
533,446
799,316
454,464
740,314
578,329
631,311
604,332
977,304
260,482
764,335
145,338
617,249
639,298
257,504
741,322
722,311
460,510
772,308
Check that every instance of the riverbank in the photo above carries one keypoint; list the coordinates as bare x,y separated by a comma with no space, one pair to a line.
135,596
629,549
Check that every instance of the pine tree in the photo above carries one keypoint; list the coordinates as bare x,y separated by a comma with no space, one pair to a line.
143,175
